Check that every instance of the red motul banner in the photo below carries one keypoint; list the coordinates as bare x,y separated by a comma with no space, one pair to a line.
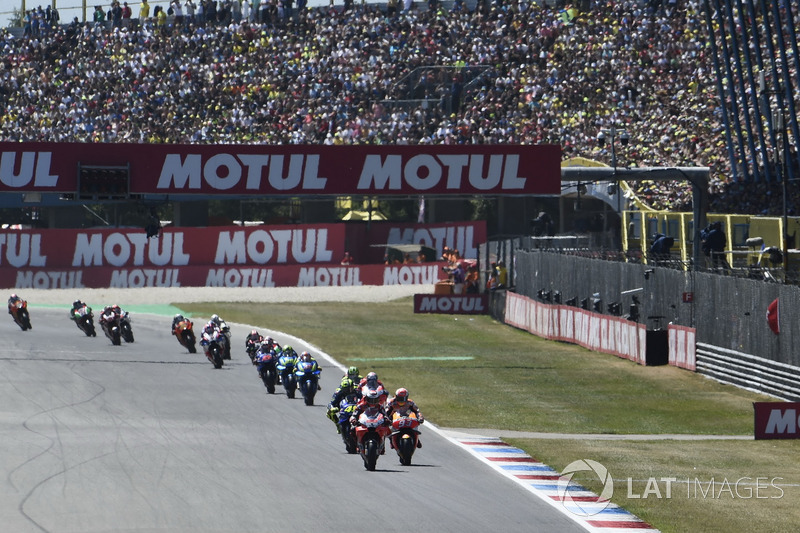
259,256
777,420
290,169
452,304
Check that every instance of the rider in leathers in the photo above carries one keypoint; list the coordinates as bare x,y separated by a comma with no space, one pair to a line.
403,406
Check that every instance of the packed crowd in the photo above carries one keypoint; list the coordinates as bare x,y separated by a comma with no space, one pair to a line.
516,72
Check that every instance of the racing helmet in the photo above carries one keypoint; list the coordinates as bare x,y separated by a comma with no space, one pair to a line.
305,356
347,384
77,303
268,340
14,296
372,397
372,378
352,373
401,396
288,350
215,319
178,317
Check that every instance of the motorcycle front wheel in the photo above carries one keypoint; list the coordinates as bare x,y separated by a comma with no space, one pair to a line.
371,454
405,449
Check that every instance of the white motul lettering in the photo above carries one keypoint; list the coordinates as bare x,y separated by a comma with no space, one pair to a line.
432,170
88,250
43,177
121,249
292,179
782,421
245,277
7,164
116,249
181,175
311,179
377,175
328,277
428,304
230,248
229,178
49,279
147,277
255,166
455,168
282,237
304,254
23,249
260,247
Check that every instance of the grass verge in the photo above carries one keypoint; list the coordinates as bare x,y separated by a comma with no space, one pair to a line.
516,381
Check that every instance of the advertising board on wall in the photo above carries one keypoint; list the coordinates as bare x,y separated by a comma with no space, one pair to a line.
288,169
777,420
230,256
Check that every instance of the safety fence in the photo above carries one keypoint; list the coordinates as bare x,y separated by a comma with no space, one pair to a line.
744,319
749,372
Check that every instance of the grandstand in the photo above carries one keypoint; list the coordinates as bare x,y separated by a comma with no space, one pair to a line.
517,72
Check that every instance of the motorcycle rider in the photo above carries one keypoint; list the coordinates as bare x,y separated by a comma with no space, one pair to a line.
346,388
370,404
109,312
372,382
262,357
253,343
269,341
286,362
177,319
77,304
313,367
12,302
403,406
223,327
353,374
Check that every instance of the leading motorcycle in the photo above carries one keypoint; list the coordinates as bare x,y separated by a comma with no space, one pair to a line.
405,436
185,334
84,319
214,346
371,433
19,313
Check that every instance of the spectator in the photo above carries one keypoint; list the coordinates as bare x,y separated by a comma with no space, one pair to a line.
502,275
713,244
660,249
347,259
144,12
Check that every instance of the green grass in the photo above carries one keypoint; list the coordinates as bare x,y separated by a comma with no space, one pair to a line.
516,381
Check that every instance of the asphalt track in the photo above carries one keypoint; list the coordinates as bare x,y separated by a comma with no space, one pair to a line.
146,437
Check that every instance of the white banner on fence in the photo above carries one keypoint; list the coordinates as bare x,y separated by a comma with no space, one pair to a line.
682,352
601,333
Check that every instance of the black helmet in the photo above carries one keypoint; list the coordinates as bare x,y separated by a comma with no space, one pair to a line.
76,303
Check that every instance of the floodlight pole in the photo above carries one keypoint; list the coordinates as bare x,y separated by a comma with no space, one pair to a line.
697,176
